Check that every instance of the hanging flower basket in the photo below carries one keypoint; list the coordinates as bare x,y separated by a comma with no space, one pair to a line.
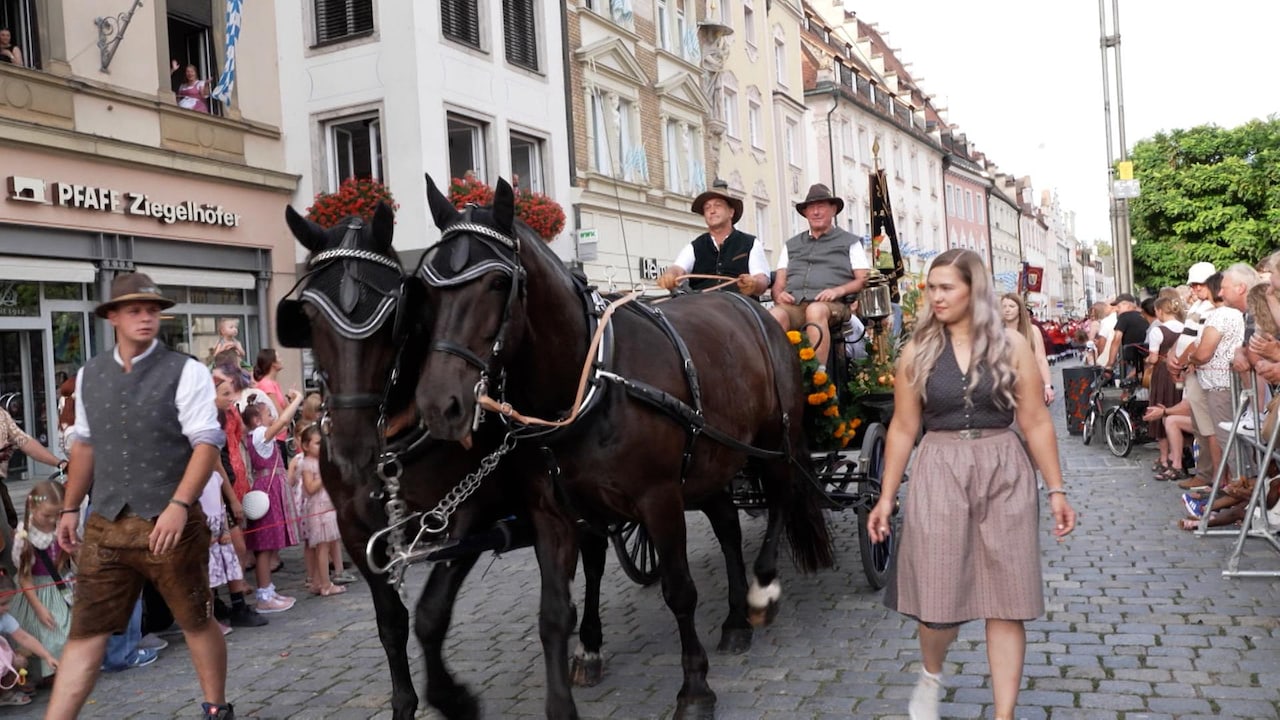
355,196
542,214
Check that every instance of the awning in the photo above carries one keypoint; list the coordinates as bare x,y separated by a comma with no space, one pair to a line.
180,277
46,270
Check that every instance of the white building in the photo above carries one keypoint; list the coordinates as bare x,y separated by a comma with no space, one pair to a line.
395,90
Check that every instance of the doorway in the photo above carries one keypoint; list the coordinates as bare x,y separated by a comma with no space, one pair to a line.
22,390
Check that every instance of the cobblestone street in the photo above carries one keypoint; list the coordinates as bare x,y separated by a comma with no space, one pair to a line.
1140,625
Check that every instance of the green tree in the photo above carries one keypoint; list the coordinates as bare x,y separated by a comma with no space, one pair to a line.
1208,193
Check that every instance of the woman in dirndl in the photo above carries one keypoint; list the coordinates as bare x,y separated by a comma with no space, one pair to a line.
970,539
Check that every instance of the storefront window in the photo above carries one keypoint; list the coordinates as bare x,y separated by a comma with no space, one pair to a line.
63,291
68,343
205,333
19,299
174,293
173,331
217,296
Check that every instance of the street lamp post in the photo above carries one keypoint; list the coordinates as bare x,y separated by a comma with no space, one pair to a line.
1123,251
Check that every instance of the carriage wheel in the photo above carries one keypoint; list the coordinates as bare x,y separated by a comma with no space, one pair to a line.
1090,424
636,554
1119,431
877,558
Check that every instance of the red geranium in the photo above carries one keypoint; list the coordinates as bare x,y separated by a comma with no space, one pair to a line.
542,214
355,196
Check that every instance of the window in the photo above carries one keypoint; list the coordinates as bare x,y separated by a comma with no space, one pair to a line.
526,163
190,29
793,151
664,25
520,33
19,18
864,150
748,23
466,147
846,139
600,135
977,209
460,20
762,220
671,144
753,123
968,204
685,37
635,166
780,62
355,149
915,169
730,111
341,19
898,165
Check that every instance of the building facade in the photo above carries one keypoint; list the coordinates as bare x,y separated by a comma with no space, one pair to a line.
106,173
765,146
965,187
1002,222
641,86
868,113
396,91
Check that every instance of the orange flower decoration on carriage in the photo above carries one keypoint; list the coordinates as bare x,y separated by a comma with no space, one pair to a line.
806,353
831,411
839,430
831,391
817,398
794,336
820,378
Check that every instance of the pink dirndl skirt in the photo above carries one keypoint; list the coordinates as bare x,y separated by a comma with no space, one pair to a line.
970,545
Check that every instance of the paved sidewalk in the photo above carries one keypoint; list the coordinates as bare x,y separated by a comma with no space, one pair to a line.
1140,625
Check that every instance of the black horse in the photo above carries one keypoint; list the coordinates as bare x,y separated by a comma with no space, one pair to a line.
505,315
352,315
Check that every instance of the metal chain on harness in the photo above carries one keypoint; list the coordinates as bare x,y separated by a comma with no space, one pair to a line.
433,522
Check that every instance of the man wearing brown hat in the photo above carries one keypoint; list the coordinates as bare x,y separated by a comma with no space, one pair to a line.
146,437
722,250
817,269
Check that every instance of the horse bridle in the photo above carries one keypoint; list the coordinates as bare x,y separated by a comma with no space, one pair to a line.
501,245
389,306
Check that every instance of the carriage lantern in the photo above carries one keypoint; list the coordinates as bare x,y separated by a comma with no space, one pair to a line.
874,299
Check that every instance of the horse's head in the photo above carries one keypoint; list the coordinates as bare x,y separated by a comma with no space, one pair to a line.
350,312
475,287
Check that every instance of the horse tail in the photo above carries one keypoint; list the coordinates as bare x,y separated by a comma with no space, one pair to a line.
805,519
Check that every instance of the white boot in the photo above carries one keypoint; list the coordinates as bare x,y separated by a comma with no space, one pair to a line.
924,699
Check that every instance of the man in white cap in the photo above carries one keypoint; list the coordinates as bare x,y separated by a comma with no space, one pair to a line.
722,250
1202,424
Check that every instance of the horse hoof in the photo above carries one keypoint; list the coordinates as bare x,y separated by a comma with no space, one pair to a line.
696,709
763,616
734,641
459,704
587,670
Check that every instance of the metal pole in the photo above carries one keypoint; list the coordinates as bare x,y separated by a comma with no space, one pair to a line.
1122,206
1103,44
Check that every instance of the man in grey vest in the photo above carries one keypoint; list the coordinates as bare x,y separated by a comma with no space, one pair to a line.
146,438
816,270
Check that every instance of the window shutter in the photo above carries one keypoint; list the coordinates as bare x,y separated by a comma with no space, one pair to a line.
520,33
336,19
461,20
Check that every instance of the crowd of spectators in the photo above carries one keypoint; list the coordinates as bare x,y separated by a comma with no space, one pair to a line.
1187,344
272,446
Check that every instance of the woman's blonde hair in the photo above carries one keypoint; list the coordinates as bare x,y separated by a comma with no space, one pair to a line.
1256,303
1025,327
990,353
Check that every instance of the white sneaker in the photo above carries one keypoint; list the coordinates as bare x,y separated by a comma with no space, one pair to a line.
1246,423
273,605
924,699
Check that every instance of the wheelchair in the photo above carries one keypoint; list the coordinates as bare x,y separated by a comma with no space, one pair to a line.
1118,414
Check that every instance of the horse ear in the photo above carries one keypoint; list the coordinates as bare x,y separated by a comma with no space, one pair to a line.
504,206
384,226
442,211
308,233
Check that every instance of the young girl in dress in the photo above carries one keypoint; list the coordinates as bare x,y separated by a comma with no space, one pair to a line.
308,417
12,663
322,521
44,606
268,535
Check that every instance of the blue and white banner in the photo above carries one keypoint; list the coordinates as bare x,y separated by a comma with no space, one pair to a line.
228,79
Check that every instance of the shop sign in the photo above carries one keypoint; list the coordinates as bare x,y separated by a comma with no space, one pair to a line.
102,199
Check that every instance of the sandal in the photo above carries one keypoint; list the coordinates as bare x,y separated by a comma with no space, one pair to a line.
1171,474
332,590
13,697
1160,466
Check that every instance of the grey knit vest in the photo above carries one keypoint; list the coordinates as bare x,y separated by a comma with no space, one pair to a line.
815,265
139,450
